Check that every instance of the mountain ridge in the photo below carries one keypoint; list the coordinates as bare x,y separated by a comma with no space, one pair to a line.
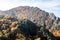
36,15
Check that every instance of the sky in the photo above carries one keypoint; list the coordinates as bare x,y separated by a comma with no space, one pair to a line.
51,6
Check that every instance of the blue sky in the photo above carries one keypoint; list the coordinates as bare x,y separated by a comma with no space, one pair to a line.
52,6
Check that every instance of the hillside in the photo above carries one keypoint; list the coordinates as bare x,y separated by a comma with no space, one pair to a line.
35,18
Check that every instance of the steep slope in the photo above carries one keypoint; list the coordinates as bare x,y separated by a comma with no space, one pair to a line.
37,16
12,29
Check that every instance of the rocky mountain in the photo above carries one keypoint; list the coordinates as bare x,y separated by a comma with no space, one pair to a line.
37,16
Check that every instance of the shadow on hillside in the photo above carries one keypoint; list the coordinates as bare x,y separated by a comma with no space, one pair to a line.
30,30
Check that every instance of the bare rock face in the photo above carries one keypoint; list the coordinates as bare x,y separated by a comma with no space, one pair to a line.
35,15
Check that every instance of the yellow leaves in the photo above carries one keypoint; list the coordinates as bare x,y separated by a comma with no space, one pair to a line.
38,38
4,31
14,28
1,34
20,37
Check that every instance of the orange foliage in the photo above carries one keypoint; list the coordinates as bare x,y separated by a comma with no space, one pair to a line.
56,33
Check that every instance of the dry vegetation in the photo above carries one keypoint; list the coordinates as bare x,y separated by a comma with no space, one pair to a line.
29,23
